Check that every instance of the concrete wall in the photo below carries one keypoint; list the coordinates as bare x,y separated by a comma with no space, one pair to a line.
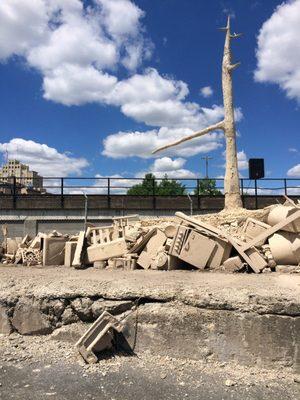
30,214
102,203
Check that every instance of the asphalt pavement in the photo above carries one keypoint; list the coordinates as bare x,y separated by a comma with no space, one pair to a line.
60,381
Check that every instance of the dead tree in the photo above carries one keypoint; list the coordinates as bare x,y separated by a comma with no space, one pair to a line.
231,182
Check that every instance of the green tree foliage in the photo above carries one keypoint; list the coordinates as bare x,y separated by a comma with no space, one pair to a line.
208,187
170,187
145,188
165,187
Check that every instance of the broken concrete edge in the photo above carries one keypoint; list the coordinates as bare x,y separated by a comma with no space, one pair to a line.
186,333
41,315
32,316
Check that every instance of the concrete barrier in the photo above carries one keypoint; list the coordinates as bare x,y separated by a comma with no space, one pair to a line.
125,202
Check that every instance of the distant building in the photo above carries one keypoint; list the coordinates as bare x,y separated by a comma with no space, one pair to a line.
25,179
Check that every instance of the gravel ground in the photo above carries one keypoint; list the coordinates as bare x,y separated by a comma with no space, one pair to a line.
39,367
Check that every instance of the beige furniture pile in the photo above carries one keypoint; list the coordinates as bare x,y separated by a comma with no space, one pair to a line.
271,244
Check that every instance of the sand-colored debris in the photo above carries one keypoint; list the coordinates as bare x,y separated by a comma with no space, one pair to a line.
241,240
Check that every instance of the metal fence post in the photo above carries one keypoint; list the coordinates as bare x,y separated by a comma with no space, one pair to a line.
14,192
62,200
85,211
256,199
242,194
285,187
153,194
198,194
108,193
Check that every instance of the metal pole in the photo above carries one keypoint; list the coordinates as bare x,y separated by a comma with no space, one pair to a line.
242,188
14,192
62,192
85,210
153,194
285,188
108,193
256,202
198,194
206,158
191,203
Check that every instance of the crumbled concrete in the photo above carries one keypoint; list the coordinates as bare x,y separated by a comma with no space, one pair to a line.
249,319
5,325
70,333
29,320
112,306
82,308
69,316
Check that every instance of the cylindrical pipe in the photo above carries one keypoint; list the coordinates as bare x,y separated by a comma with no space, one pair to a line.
285,248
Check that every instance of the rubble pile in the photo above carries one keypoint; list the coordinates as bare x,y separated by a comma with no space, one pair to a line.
234,243
45,249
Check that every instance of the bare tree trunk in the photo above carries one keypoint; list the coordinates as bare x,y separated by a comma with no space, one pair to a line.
231,182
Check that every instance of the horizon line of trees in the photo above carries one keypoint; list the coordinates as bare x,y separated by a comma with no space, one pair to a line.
171,187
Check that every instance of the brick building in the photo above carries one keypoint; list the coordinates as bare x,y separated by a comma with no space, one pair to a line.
25,179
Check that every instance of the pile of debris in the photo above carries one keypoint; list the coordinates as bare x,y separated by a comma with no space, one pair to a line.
45,249
271,243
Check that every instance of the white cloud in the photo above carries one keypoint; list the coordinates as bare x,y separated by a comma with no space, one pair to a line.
206,91
173,114
141,144
53,33
99,185
79,48
181,173
295,191
294,171
149,86
242,160
46,160
62,47
23,24
278,50
121,18
75,85
293,150
167,164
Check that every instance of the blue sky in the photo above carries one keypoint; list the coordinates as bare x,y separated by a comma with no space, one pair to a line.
91,88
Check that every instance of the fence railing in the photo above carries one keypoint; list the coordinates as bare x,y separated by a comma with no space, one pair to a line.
117,186
120,185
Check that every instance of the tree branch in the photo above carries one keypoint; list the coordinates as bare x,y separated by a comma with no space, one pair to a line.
219,125
233,66
236,35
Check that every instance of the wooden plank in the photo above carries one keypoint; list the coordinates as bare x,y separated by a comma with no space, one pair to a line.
251,256
201,225
77,260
